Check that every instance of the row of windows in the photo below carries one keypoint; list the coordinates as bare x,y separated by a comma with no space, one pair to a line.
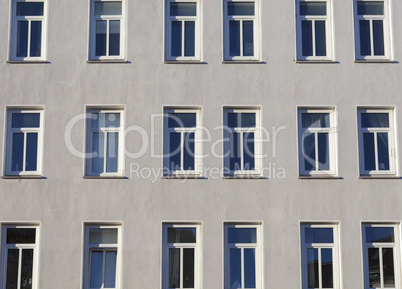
182,256
183,30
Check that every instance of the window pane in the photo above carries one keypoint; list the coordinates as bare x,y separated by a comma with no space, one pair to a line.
102,236
375,120
234,152
388,267
326,268
100,49
21,236
383,151
369,154
31,152
96,269
370,7
174,268
313,8
188,154
182,119
374,267
36,38
176,38
18,152
29,8
379,234
182,235
183,9
308,151
249,268
22,39
365,46
114,37
312,268
175,151
105,120
241,119
108,8
110,269
188,268
112,151
235,268
12,269
315,120
323,151
318,235
189,38
234,38
320,39
242,235
26,268
378,37
25,120
307,37
248,151
240,8
98,152
248,42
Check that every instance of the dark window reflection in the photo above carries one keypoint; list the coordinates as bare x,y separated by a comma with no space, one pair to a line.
182,235
379,234
21,236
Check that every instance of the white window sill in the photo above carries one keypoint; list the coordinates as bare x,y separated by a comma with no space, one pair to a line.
104,177
243,62
23,177
183,176
318,177
184,62
317,61
375,61
28,62
108,61
244,176
392,177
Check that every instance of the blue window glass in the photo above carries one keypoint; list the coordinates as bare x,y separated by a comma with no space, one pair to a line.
319,235
96,269
183,9
241,119
175,151
31,152
114,37
308,151
313,8
249,268
234,152
110,269
101,27
235,268
242,235
320,39
36,38
378,37
327,268
182,119
248,38
369,151
98,151
189,38
365,45
323,151
112,144
176,38
22,39
375,119
108,8
383,151
307,37
379,234
234,38
29,8
312,268
188,153
18,152
99,120
174,268
22,120
240,8
370,7
315,120
248,151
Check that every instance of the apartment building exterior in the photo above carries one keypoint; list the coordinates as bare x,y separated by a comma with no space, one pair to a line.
200,144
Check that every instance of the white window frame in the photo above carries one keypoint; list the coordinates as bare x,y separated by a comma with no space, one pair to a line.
9,144
105,130
197,254
257,143
198,165
14,38
386,28
258,254
395,245
94,18
335,254
197,28
88,248
332,142
328,30
256,28
392,150
20,247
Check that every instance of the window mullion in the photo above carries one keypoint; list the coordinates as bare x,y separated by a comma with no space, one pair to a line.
103,267
381,268
29,39
181,268
241,146
376,150
316,151
241,37
24,153
242,267
313,35
19,267
105,135
183,23
182,150
107,36
319,268
371,37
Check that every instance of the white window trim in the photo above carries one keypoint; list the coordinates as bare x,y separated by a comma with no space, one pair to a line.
256,29
392,150
397,257
13,36
258,254
9,143
89,143
328,31
35,247
92,35
198,165
386,27
335,254
89,247
257,143
332,142
197,28
197,255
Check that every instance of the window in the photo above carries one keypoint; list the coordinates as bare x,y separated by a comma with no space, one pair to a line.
314,40
381,255
241,30
20,257
242,256
181,256
317,143
107,30
182,30
28,30
182,146
102,257
320,256
242,142
24,143
372,30
105,141
376,142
